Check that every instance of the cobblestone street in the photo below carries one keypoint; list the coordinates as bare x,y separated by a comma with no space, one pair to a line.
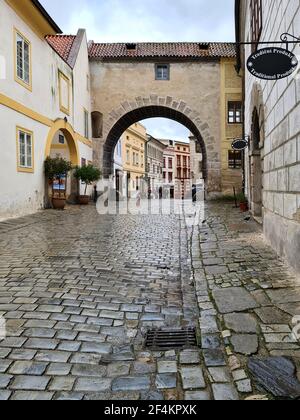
79,291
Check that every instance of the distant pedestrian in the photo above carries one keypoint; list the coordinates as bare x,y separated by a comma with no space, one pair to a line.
194,193
160,193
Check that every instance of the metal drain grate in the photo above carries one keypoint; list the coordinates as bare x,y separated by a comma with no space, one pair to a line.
165,339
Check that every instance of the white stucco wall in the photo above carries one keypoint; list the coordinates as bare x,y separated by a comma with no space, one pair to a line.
23,193
20,193
281,149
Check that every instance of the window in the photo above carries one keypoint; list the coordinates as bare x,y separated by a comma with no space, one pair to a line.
184,162
165,163
198,147
127,156
170,177
25,150
86,124
23,60
61,139
97,124
170,163
235,112
179,161
234,159
162,72
64,93
83,162
256,21
119,149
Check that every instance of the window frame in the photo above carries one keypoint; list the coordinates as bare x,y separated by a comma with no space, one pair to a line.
237,106
62,76
157,65
18,79
26,168
86,123
235,165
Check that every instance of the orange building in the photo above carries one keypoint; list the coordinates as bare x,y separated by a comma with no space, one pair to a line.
183,169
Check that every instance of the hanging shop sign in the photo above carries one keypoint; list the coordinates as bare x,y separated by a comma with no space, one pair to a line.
240,144
272,63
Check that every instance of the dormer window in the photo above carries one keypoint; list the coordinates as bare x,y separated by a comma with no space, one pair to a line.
131,47
204,46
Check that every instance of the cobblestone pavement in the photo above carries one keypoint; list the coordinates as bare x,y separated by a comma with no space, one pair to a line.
79,291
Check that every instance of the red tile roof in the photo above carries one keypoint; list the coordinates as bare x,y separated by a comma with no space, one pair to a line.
62,44
184,50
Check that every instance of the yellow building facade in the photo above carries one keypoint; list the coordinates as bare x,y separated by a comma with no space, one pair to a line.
231,126
134,142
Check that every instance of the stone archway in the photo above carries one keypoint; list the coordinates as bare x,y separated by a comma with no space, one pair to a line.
69,134
154,106
256,152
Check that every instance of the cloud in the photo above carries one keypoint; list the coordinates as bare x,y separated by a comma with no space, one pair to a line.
146,20
162,128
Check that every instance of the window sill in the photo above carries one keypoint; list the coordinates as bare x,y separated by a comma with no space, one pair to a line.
21,82
25,170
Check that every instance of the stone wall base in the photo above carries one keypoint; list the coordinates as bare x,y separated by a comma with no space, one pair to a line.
284,236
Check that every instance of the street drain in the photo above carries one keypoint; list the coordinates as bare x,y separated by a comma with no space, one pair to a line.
165,339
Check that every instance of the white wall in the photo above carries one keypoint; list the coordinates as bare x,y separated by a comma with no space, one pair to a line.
20,193
23,193
281,150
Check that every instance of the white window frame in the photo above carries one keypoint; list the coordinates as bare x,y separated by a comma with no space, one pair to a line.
165,73
23,69
25,151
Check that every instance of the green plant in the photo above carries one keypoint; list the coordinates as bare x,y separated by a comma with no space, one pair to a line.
241,198
87,174
57,167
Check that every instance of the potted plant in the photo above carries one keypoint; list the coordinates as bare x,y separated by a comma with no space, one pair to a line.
88,175
56,170
243,203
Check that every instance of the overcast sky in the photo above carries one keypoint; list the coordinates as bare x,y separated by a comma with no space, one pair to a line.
147,20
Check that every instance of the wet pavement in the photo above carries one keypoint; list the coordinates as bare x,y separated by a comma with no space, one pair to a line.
79,291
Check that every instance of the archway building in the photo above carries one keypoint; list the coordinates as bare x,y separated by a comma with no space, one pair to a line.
62,95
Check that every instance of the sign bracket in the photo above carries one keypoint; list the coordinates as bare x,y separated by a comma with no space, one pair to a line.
284,39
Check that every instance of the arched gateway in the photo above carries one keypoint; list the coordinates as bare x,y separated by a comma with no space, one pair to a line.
152,107
190,83
131,112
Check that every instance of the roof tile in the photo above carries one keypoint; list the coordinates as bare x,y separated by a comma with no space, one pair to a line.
62,44
182,50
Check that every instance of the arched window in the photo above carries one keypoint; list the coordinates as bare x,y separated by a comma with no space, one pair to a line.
97,124
255,130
